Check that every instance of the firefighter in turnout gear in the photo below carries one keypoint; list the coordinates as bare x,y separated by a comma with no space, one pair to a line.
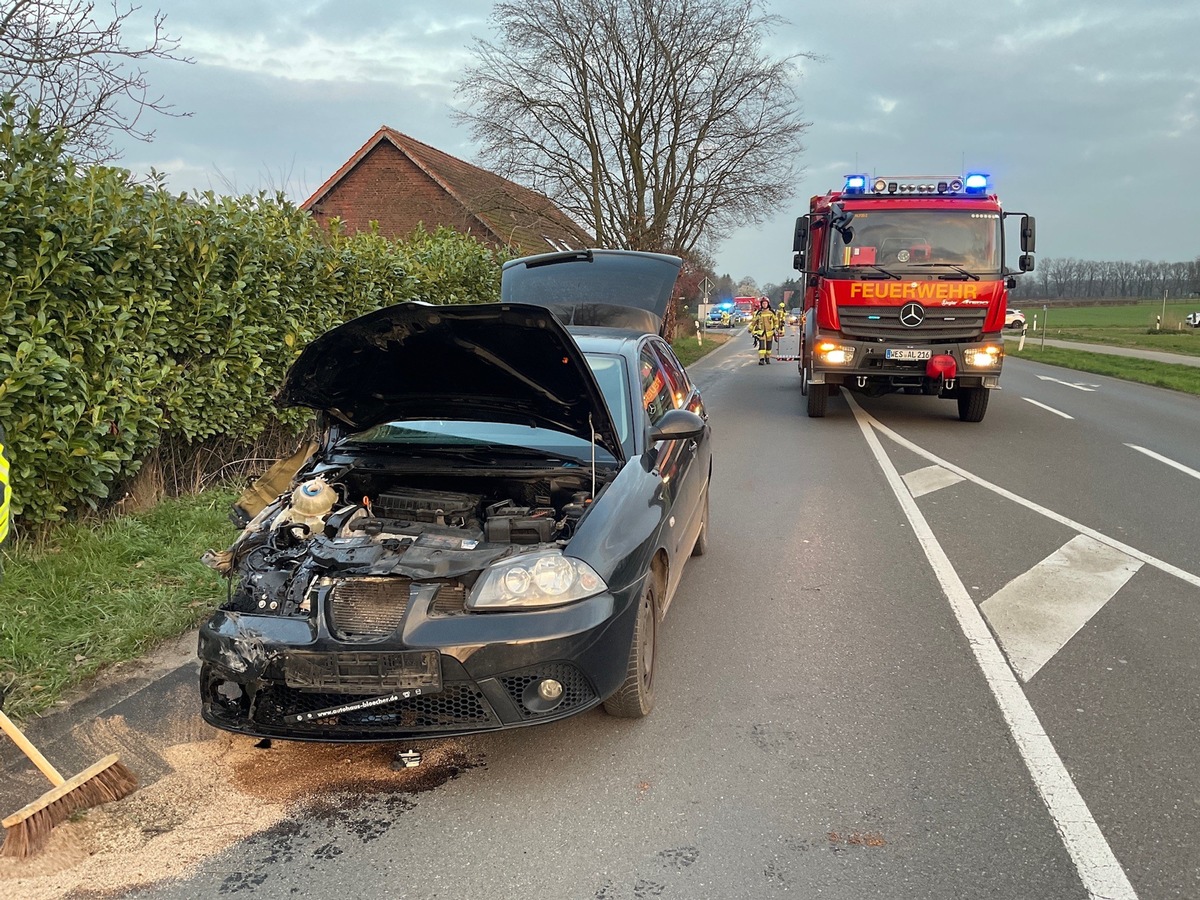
763,326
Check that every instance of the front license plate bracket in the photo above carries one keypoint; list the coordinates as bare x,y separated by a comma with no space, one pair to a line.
356,672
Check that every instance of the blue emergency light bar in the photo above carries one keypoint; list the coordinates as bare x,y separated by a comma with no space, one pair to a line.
973,183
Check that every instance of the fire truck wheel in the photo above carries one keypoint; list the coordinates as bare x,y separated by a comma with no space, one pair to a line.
972,403
818,395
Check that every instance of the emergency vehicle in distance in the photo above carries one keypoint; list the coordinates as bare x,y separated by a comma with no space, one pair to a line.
906,289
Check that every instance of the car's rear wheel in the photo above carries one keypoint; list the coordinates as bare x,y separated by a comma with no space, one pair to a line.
635,697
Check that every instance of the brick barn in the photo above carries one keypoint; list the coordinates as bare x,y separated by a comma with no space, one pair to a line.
399,183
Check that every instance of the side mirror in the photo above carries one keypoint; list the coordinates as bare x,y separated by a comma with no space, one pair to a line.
1028,237
1026,262
1010,282
800,236
798,261
677,424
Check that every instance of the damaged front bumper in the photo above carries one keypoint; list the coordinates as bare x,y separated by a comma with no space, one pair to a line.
292,677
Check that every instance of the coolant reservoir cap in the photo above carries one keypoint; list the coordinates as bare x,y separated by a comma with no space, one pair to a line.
313,498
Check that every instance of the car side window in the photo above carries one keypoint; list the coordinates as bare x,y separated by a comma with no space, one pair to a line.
685,394
657,395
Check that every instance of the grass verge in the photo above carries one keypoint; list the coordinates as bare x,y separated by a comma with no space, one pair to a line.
91,595
1126,325
1166,375
688,350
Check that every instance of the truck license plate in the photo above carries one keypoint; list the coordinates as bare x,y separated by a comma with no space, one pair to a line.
904,354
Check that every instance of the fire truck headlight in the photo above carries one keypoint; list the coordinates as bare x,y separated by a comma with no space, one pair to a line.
834,354
983,357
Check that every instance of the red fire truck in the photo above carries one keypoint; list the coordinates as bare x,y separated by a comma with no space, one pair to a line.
906,289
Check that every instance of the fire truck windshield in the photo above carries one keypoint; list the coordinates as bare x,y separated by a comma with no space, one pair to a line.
900,239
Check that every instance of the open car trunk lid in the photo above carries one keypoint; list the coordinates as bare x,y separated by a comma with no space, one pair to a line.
625,289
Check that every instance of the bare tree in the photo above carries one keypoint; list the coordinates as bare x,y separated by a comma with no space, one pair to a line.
658,124
72,63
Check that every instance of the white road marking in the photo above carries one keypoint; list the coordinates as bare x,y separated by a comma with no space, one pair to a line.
1098,867
1036,613
1161,565
1048,408
1079,387
929,479
1162,459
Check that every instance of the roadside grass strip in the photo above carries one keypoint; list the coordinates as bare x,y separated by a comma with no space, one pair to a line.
1144,371
91,594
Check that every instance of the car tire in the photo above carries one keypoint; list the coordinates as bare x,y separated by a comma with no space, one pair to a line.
972,403
818,396
701,546
635,697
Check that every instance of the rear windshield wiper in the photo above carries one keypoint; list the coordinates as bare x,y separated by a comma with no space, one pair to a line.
966,273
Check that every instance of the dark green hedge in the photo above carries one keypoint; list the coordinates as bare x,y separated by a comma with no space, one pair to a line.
130,317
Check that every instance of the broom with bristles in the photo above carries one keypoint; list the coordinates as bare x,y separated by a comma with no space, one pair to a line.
27,830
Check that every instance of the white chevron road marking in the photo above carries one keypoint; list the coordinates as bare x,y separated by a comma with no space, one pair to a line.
929,479
1097,865
1036,613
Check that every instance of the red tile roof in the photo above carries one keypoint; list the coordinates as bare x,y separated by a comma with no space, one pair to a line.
509,214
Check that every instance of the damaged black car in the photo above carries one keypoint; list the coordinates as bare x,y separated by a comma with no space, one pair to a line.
492,526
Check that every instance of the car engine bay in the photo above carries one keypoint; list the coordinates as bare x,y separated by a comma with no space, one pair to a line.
352,523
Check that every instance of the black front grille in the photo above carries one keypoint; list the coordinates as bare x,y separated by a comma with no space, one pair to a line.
457,706
450,600
368,606
577,691
940,324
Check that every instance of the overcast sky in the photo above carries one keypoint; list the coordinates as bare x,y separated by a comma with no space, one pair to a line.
1086,114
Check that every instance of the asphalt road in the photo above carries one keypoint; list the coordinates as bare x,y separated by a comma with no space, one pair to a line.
922,659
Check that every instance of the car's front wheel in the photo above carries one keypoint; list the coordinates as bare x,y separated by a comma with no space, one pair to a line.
635,697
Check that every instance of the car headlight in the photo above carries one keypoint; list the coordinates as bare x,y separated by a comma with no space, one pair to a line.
546,578
983,357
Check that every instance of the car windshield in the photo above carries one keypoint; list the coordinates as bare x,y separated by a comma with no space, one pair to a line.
476,435
911,239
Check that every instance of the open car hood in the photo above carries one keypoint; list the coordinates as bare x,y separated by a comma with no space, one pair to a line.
494,362
619,288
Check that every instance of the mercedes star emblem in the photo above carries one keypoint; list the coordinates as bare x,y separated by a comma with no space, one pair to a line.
912,315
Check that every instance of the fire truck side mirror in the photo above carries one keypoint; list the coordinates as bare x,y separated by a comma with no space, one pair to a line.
1010,282
798,261
1028,234
1026,262
800,237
